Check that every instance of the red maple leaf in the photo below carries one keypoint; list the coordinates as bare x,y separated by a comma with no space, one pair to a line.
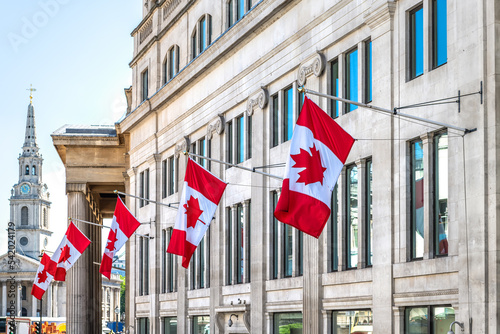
42,276
65,254
193,212
111,240
314,170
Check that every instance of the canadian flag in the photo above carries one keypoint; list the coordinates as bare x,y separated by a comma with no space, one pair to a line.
200,196
123,226
71,247
44,276
318,150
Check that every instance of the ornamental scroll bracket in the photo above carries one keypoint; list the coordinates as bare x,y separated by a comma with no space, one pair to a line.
314,65
259,99
216,126
182,146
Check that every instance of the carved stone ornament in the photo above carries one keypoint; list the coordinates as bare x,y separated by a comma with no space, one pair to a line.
216,126
182,146
260,99
315,64
13,266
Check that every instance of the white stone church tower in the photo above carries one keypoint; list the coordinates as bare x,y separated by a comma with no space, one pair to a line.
29,203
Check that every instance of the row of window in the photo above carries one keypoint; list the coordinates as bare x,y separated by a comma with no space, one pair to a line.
420,319
25,215
357,229
27,170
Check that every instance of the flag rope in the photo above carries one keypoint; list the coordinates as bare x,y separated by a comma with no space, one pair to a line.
102,226
233,165
393,112
147,200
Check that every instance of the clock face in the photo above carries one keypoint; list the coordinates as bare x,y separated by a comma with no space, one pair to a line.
25,188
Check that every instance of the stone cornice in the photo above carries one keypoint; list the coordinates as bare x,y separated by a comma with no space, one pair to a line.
376,17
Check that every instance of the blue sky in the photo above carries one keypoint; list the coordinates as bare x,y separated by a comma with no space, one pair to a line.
76,55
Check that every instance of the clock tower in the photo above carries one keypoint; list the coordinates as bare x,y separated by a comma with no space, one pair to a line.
29,201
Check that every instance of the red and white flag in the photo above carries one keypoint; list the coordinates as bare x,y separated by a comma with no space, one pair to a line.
123,226
44,276
71,247
318,151
200,196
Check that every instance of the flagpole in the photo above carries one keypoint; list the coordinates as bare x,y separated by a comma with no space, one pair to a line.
145,199
233,165
393,112
90,223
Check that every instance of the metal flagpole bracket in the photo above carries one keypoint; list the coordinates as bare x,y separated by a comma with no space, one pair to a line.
147,200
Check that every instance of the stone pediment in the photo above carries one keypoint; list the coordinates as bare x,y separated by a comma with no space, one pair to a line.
20,263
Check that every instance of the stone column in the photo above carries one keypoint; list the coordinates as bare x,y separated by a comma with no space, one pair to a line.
34,306
55,300
4,299
49,301
83,304
18,302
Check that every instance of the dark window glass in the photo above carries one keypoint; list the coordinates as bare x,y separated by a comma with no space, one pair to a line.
141,266
275,121
368,71
275,238
416,42
439,34
171,175
441,193
248,249
351,84
33,170
23,292
334,250
201,324
300,258
164,264
249,137
229,246
164,177
230,12
203,34
240,237
27,171
202,152
202,265
369,214
171,267
170,325
428,319
143,324
301,102
417,200
144,79
24,215
146,186
334,84
352,217
241,8
240,139
288,114
287,323
194,42
287,250
172,62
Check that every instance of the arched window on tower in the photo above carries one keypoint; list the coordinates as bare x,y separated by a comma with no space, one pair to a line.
27,171
33,170
24,215
45,218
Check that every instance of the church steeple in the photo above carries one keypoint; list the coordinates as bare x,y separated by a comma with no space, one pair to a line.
30,148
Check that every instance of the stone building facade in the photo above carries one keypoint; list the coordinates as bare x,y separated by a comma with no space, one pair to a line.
412,242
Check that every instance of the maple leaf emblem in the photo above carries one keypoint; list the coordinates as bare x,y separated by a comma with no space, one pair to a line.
193,212
111,240
314,170
42,276
65,254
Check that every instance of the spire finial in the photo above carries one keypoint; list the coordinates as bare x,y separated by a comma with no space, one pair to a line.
31,89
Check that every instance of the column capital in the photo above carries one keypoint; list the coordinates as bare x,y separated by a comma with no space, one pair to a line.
76,187
315,64
216,126
258,99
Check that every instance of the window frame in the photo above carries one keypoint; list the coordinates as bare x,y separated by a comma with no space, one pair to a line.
348,234
201,37
415,54
413,195
275,120
436,30
287,113
351,72
369,212
368,78
144,85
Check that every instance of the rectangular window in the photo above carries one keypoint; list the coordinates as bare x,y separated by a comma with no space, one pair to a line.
439,34
368,71
144,188
143,325
194,42
171,175
369,214
301,102
229,135
249,137
416,42
229,250
230,13
351,78
143,266
144,80
202,265
275,121
201,324
300,258
248,249
429,319
241,8
287,323
334,84
209,153
441,194
352,217
417,200
164,178
170,325
240,237
171,267
203,34
287,114
240,139
287,250
164,264
352,321
334,248
202,152
275,248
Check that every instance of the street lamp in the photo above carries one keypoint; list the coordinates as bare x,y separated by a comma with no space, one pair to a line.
117,311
